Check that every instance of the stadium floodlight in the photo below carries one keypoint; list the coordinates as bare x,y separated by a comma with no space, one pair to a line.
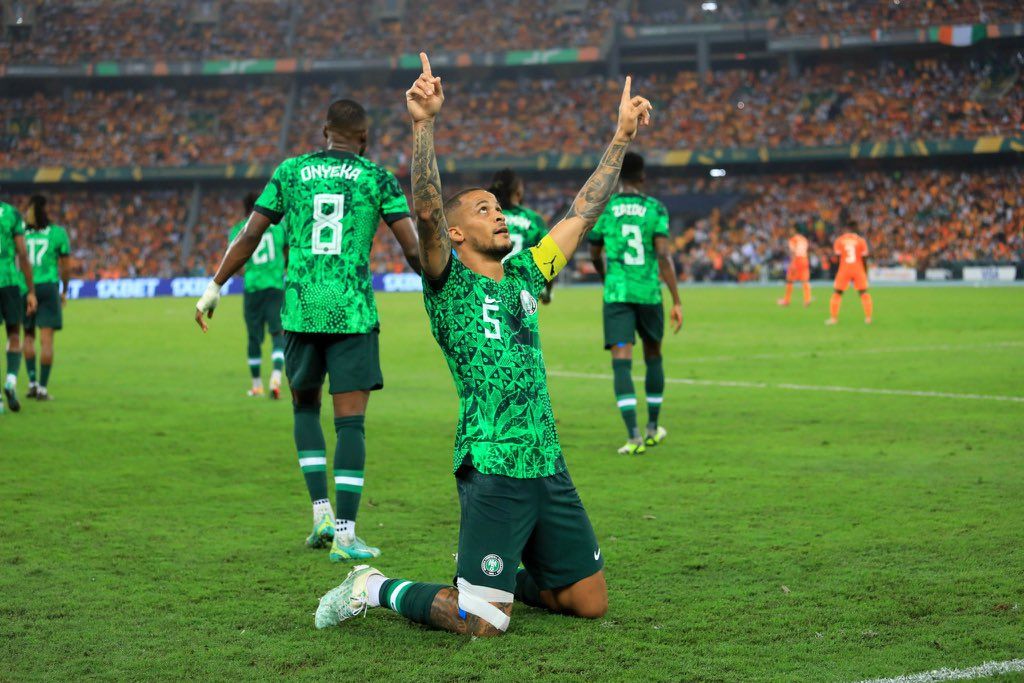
717,173
709,6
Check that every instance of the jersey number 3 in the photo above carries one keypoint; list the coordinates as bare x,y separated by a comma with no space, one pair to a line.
635,241
328,210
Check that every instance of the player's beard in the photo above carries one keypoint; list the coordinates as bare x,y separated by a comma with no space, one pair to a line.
493,249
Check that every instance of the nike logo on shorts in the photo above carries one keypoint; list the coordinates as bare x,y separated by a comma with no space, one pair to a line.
597,554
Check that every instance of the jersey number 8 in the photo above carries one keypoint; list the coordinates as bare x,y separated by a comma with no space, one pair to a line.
328,210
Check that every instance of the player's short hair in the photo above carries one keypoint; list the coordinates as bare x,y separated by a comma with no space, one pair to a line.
249,203
503,184
632,167
36,213
453,202
347,116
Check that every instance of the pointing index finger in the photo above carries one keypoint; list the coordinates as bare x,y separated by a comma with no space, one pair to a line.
625,90
425,63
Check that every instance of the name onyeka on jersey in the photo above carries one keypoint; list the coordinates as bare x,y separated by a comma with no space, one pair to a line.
621,210
517,221
323,171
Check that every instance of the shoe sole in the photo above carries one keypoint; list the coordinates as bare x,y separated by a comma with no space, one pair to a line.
12,400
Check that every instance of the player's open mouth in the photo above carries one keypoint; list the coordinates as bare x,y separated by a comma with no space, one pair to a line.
501,231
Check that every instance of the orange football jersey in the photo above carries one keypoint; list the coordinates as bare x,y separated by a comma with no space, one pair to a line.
851,249
798,246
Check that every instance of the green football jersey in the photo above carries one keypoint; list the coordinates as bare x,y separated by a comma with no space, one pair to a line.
45,249
525,227
334,202
627,229
11,225
488,333
265,268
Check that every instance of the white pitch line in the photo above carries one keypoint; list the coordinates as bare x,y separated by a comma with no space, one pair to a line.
802,387
850,352
981,671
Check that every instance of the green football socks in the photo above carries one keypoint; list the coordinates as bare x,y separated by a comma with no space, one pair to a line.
277,350
410,599
527,591
309,442
44,375
625,394
254,357
654,387
13,363
30,368
349,460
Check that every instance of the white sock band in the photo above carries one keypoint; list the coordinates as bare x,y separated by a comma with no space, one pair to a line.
476,600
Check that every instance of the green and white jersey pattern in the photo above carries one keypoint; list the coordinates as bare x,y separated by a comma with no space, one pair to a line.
627,229
525,227
265,268
11,225
333,202
488,333
45,249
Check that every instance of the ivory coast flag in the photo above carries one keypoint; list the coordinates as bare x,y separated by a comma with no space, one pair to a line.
959,36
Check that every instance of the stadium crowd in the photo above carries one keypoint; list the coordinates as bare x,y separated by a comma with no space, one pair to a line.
76,32
67,32
825,105
916,219
856,16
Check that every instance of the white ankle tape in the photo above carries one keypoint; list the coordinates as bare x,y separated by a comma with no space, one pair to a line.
476,600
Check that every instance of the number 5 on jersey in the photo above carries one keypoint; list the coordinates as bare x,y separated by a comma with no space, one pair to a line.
328,210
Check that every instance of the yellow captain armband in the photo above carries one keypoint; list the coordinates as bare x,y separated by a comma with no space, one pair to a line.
548,257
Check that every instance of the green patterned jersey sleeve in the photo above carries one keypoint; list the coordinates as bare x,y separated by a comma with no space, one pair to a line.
11,225
660,218
271,202
393,204
537,265
64,247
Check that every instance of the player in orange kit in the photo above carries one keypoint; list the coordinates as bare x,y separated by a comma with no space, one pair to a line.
799,269
852,252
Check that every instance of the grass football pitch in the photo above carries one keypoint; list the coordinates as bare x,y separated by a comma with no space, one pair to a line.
832,504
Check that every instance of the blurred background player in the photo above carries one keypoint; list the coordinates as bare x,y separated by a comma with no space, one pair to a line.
852,251
799,269
48,250
262,300
332,202
517,498
13,308
525,227
633,231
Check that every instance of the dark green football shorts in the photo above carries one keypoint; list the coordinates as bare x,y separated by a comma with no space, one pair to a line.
352,361
539,522
12,305
622,322
49,313
262,307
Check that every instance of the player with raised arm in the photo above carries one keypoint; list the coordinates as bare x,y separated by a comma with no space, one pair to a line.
517,499
331,201
632,230
262,299
13,309
799,269
48,250
526,227
851,251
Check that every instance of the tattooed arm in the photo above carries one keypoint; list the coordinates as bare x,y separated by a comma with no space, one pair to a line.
424,100
591,200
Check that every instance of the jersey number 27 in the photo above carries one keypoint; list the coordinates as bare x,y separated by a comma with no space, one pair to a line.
328,210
